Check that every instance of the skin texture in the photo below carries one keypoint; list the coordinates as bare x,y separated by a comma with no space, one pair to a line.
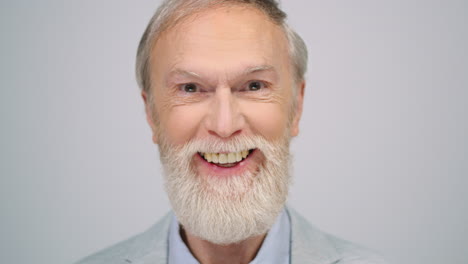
222,52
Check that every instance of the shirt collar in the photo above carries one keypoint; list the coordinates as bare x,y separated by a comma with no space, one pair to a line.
275,248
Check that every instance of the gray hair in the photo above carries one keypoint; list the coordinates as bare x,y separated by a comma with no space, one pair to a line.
172,11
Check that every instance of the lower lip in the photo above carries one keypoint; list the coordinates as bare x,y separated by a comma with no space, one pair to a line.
248,164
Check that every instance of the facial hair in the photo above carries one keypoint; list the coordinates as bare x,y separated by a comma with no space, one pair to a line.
226,210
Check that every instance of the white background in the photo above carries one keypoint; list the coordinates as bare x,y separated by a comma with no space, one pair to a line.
381,159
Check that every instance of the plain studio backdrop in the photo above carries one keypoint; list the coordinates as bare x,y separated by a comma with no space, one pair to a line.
381,158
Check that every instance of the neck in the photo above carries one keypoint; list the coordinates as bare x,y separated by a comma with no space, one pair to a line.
208,253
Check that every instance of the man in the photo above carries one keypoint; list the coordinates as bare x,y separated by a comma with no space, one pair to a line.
223,87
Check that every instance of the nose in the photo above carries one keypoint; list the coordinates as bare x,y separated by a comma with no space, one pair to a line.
224,118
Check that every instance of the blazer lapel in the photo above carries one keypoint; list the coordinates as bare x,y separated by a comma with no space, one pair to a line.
308,244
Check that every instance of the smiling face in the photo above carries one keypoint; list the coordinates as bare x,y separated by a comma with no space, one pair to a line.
221,112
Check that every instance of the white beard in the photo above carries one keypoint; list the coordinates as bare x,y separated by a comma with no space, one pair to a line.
226,210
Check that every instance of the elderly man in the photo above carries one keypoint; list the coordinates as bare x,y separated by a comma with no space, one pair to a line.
223,87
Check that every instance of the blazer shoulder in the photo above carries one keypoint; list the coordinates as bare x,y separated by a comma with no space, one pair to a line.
151,243
311,245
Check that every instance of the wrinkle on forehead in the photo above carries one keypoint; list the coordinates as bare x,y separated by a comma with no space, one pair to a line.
207,15
221,31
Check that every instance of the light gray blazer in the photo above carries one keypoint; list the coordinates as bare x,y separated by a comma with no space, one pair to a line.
308,246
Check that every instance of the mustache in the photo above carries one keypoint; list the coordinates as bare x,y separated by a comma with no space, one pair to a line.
217,145
182,154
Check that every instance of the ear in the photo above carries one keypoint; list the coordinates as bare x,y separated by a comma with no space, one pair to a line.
298,113
149,115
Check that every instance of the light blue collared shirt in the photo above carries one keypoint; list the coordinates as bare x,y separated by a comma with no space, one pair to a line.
275,248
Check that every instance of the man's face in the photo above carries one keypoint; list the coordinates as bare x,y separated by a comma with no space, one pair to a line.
223,90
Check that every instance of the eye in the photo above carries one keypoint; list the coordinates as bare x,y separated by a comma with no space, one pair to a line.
189,88
255,86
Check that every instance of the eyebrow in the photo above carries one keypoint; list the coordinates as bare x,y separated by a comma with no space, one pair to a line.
249,70
185,73
259,69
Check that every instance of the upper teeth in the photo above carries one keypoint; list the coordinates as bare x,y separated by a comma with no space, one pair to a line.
224,158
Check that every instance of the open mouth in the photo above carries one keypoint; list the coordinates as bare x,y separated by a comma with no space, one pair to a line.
226,160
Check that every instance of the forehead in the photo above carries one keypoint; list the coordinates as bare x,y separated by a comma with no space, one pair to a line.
225,39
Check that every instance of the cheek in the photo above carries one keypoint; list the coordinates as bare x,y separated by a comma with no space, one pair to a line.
181,123
267,119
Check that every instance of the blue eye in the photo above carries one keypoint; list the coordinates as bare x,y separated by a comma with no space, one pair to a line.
190,88
255,86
